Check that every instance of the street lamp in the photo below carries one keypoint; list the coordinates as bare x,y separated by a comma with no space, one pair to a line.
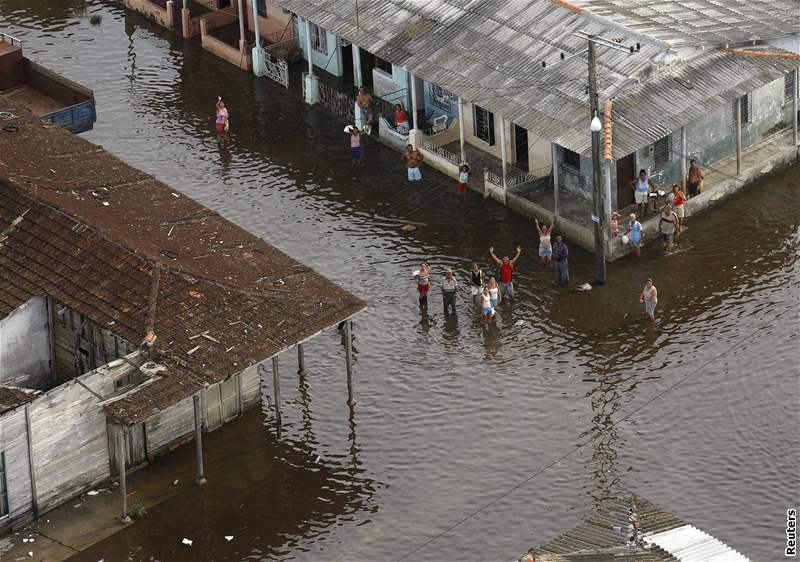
596,125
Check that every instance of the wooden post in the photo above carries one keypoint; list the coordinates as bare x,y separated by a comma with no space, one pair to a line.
359,78
684,157
554,158
123,482
301,363
461,128
738,133
503,150
242,36
31,463
414,122
597,173
348,346
795,90
198,439
276,383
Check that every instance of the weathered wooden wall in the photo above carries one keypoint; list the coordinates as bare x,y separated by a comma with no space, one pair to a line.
14,444
69,436
250,384
95,345
169,425
25,346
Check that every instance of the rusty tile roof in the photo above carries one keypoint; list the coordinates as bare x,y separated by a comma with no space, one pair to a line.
124,249
489,52
12,397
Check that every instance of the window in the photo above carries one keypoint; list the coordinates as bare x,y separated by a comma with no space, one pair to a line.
261,6
383,64
788,89
572,159
3,486
319,40
483,124
662,152
747,108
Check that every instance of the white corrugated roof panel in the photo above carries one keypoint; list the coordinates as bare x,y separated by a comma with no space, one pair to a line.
690,544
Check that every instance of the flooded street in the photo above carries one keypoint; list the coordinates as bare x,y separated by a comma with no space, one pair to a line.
468,442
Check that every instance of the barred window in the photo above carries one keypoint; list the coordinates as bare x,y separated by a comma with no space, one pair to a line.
662,152
319,40
572,159
789,87
261,6
483,123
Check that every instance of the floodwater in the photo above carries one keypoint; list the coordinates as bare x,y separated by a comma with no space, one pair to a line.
467,442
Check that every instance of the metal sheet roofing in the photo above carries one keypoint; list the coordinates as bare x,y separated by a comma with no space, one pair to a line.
701,22
689,544
490,52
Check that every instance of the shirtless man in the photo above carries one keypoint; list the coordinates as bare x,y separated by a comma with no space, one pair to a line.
413,158
694,178
363,111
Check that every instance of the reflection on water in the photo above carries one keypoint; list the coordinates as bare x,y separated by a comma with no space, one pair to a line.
452,412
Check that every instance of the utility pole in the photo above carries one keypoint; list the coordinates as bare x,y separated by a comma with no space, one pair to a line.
597,178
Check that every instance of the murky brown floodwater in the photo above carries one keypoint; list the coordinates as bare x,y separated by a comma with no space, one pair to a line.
450,415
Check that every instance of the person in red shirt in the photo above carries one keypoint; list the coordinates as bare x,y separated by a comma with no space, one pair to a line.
401,119
506,272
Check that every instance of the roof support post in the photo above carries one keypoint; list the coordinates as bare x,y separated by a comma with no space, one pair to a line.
348,347
414,120
200,478
357,72
554,158
242,37
684,157
276,385
795,91
461,129
503,155
311,82
738,134
301,363
122,446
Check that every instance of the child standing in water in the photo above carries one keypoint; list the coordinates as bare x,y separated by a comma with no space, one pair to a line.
222,122
614,224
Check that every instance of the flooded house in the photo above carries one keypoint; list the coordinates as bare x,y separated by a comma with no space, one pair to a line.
132,318
503,86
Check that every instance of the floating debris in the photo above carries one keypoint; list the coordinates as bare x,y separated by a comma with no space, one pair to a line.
408,228
187,542
95,19
229,538
585,287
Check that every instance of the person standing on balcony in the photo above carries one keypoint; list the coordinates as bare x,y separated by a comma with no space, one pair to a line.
400,119
222,123
506,272
463,181
641,191
356,152
694,178
413,158
363,111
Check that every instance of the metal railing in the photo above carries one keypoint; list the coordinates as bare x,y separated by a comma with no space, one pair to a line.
338,103
440,151
512,180
6,38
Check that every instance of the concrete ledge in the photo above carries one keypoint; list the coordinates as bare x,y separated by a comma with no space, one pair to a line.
191,26
240,57
390,137
151,11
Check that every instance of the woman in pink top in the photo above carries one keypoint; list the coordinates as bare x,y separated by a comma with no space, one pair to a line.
222,122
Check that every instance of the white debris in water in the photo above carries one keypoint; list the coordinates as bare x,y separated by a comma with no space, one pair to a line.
187,542
585,287
229,538
30,553
175,483
92,493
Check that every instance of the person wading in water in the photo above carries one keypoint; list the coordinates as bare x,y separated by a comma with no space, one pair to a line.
222,122
506,272
413,158
476,281
545,245
649,297
423,283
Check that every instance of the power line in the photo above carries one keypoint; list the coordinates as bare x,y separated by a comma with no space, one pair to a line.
735,345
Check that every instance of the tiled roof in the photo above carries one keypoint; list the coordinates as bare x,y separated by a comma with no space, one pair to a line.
489,52
12,397
126,250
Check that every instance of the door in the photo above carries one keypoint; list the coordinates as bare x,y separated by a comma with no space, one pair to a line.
626,171
347,64
367,64
521,146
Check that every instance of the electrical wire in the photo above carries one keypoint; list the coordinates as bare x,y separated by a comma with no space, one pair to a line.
736,345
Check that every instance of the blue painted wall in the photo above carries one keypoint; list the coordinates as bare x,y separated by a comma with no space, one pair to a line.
329,61
440,101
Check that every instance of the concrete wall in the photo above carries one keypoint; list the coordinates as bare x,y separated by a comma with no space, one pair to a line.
576,181
329,61
69,437
14,446
494,150
274,24
25,346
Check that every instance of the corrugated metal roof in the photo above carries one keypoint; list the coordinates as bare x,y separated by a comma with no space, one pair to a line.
701,22
689,544
489,52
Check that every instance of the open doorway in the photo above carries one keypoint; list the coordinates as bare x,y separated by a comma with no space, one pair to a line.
521,147
626,171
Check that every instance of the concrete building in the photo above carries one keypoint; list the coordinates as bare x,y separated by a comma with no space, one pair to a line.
132,318
504,86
